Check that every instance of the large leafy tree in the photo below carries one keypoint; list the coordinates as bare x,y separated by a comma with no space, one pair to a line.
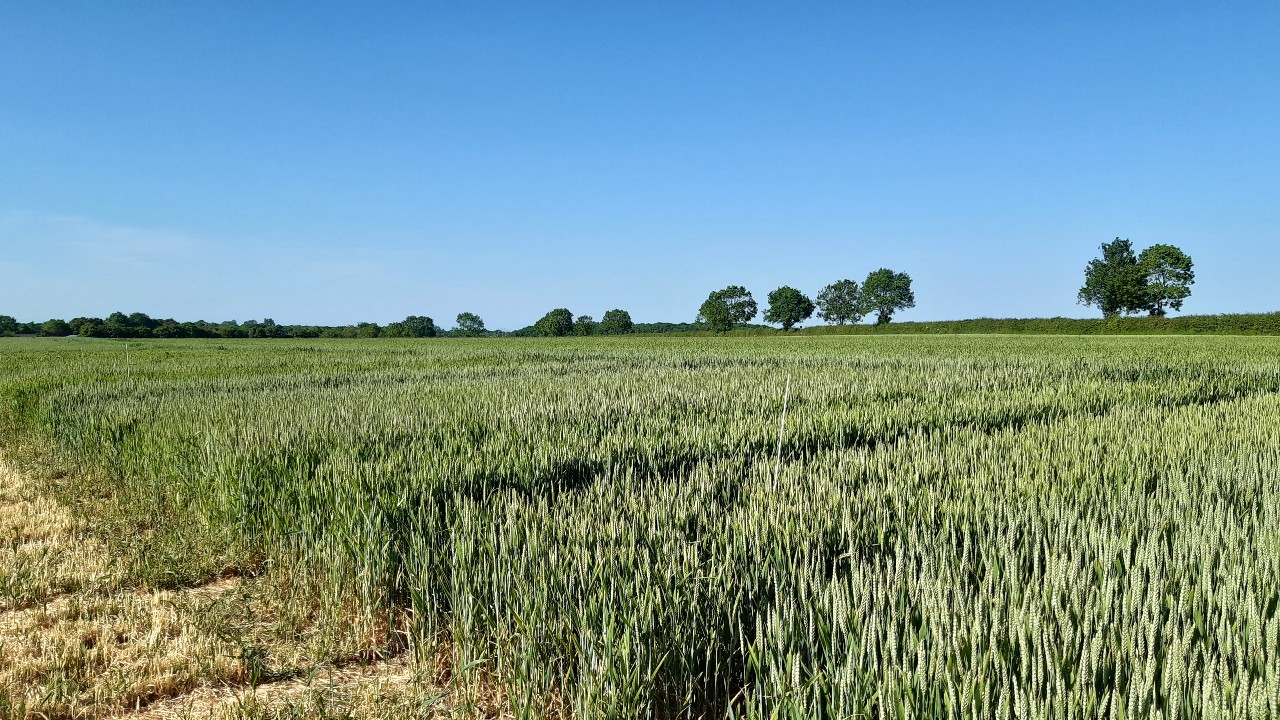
840,302
1168,275
724,308
585,325
742,307
416,326
886,292
556,323
715,313
788,306
363,330
1115,283
55,328
8,325
470,324
616,322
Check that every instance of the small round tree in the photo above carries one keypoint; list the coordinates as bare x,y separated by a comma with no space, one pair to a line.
840,302
470,324
1168,278
616,322
788,306
887,292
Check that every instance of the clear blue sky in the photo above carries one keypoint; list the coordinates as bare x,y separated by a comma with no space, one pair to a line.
335,162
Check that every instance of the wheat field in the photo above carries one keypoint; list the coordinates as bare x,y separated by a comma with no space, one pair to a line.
947,527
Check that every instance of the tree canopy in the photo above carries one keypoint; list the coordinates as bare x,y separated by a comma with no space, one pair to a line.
415,326
585,325
1168,275
840,302
715,314
55,328
616,322
886,292
788,306
1120,282
557,323
1114,282
724,308
470,324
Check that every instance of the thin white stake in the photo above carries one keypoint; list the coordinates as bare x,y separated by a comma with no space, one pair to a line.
782,427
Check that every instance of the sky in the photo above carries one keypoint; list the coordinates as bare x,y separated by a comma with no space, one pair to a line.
328,163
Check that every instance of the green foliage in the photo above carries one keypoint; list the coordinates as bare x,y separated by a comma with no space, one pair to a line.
715,314
727,307
414,326
140,325
8,326
269,329
585,325
1115,283
787,307
1250,324
556,323
470,324
1168,278
885,292
421,326
139,320
54,328
616,322
841,302
1119,282
668,328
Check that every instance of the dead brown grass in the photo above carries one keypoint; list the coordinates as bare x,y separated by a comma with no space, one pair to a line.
73,643
368,687
76,643
43,549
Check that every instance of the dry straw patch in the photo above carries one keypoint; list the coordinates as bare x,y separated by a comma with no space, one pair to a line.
92,654
74,643
396,689
354,691
43,551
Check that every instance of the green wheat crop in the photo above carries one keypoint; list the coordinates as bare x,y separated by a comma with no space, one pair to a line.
985,527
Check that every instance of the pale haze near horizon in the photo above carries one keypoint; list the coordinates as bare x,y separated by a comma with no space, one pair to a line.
328,164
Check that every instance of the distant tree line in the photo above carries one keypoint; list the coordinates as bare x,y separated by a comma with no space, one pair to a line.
884,292
1121,282
1230,324
141,325
561,322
